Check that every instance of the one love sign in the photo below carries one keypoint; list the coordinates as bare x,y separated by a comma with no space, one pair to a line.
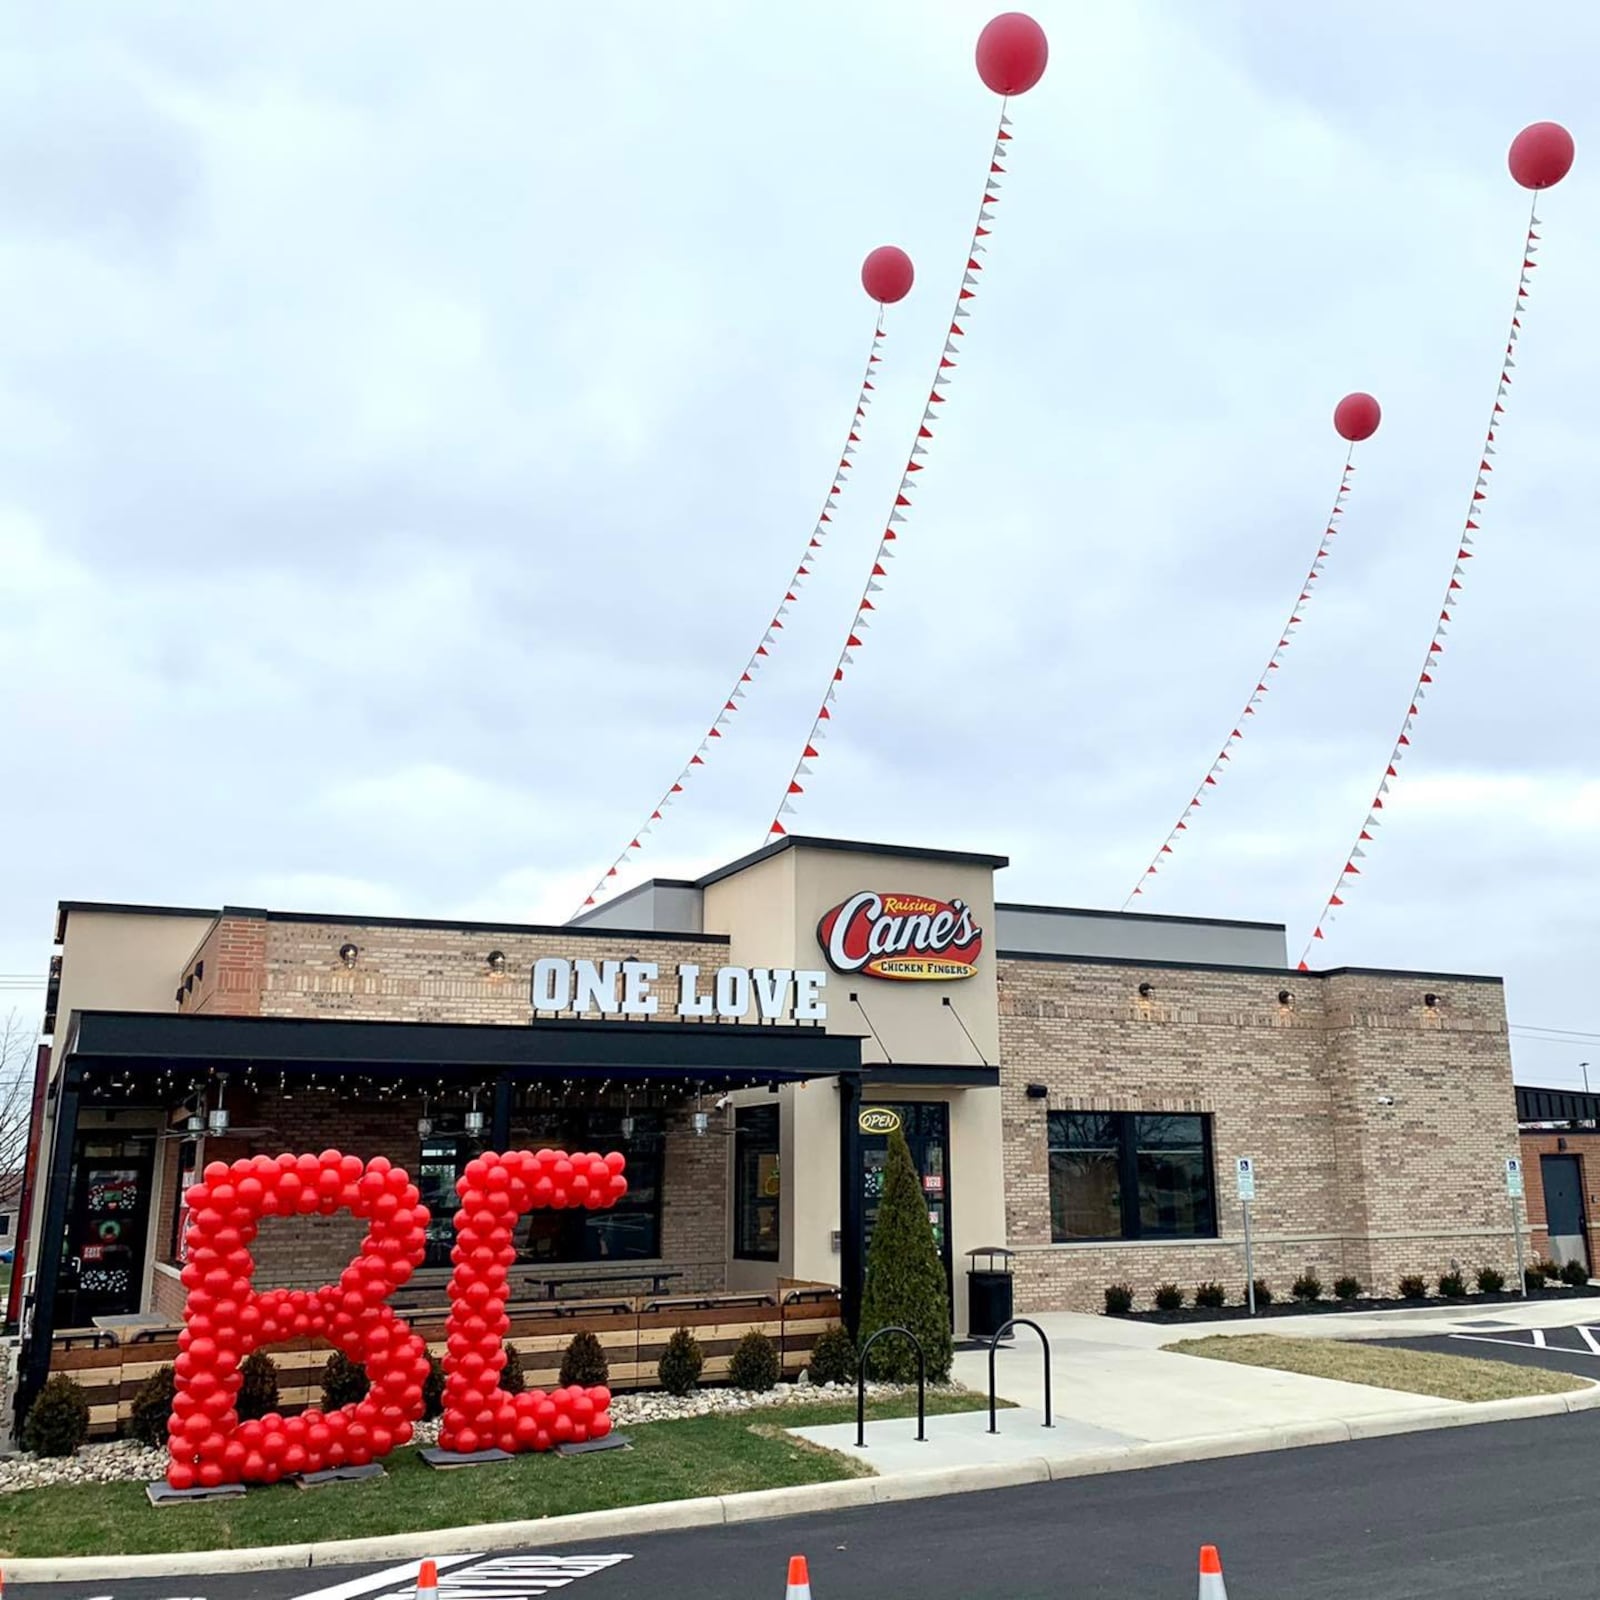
225,1318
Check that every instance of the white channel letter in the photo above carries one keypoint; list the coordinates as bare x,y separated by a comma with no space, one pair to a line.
733,991
772,991
551,989
691,1004
597,987
809,1006
637,976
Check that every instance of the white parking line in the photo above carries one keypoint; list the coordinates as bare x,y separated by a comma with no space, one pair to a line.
1590,1340
405,1573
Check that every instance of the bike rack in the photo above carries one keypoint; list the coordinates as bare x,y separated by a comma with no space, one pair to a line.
861,1385
994,1345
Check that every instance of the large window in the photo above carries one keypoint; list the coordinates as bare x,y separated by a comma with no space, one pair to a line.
1130,1175
757,1186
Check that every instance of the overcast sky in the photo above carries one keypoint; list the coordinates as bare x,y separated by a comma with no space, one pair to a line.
408,414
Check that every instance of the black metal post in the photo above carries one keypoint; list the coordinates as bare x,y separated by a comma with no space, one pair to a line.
35,1366
850,1223
861,1385
994,1345
500,1117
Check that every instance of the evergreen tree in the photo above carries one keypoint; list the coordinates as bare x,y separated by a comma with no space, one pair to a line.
905,1277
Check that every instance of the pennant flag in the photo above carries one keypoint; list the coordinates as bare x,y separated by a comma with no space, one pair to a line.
1431,659
1285,639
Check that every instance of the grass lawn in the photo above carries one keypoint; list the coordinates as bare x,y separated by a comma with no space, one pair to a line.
1354,1361
668,1461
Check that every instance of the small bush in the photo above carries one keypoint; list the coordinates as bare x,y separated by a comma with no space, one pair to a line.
258,1392
1575,1274
1452,1285
1548,1268
511,1378
1347,1289
1210,1295
152,1405
1119,1299
681,1362
1307,1287
433,1390
1489,1280
58,1419
1413,1287
833,1357
755,1363
343,1382
584,1363
1533,1279
1169,1297
1263,1292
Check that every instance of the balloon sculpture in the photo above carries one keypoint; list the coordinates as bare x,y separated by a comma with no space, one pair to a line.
225,1318
887,274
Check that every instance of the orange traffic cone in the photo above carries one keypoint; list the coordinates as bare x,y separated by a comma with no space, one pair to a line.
1211,1585
428,1581
799,1580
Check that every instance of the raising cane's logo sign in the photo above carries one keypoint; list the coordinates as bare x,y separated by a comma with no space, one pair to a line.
905,936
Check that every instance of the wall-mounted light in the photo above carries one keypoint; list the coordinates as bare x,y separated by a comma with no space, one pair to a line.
348,953
1146,990
473,1122
497,960
424,1122
1038,1091
1285,997
1430,1001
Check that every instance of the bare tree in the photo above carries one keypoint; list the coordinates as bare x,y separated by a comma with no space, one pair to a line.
19,1043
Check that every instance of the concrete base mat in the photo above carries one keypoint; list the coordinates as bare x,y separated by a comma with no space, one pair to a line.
448,1460
162,1493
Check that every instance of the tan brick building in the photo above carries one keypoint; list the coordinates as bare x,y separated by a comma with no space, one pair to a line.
1075,1086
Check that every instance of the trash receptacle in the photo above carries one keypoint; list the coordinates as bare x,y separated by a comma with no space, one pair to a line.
989,1291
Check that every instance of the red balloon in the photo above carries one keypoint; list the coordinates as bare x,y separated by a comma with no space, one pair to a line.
1541,155
1356,417
887,274
1012,52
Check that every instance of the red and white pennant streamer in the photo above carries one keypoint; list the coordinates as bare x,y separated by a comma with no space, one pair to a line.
1286,636
768,641
909,479
1540,156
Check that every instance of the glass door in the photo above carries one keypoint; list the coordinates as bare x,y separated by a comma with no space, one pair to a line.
106,1224
926,1125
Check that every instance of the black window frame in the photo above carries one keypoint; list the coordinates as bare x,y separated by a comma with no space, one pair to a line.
747,1140
1125,1125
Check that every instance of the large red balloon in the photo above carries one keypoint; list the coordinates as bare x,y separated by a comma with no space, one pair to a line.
1012,52
1356,417
1541,155
887,274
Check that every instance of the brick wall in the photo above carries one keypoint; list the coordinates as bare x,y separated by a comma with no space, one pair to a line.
228,968
1574,1142
1345,1182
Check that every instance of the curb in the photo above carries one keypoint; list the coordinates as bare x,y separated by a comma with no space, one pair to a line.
846,1494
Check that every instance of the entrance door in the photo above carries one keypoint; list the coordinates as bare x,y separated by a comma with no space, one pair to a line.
1562,1177
926,1125
106,1227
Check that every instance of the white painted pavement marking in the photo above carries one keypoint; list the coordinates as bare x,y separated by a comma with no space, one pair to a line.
405,1573
521,1577
1538,1337
1589,1339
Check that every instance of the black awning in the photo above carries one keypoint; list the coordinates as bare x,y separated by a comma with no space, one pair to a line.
1556,1105
132,1042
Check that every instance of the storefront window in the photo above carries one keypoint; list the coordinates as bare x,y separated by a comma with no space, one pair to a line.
1127,1175
757,1192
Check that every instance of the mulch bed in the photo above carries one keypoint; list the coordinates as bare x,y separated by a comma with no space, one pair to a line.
1296,1308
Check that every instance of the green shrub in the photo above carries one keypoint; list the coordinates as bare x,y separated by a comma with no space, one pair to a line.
1575,1274
584,1363
1548,1268
755,1363
1211,1295
1169,1297
1452,1285
681,1363
58,1419
905,1284
1307,1288
1413,1287
1119,1299
343,1382
1490,1281
833,1357
1533,1279
258,1390
152,1405
1263,1292
511,1378
433,1390
1346,1289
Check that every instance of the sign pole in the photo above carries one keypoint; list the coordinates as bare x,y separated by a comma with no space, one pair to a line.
1513,1193
1244,1169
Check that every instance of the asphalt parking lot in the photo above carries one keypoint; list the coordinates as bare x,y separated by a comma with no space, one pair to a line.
1570,1349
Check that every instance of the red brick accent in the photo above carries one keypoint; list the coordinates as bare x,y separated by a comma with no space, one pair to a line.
1583,1144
